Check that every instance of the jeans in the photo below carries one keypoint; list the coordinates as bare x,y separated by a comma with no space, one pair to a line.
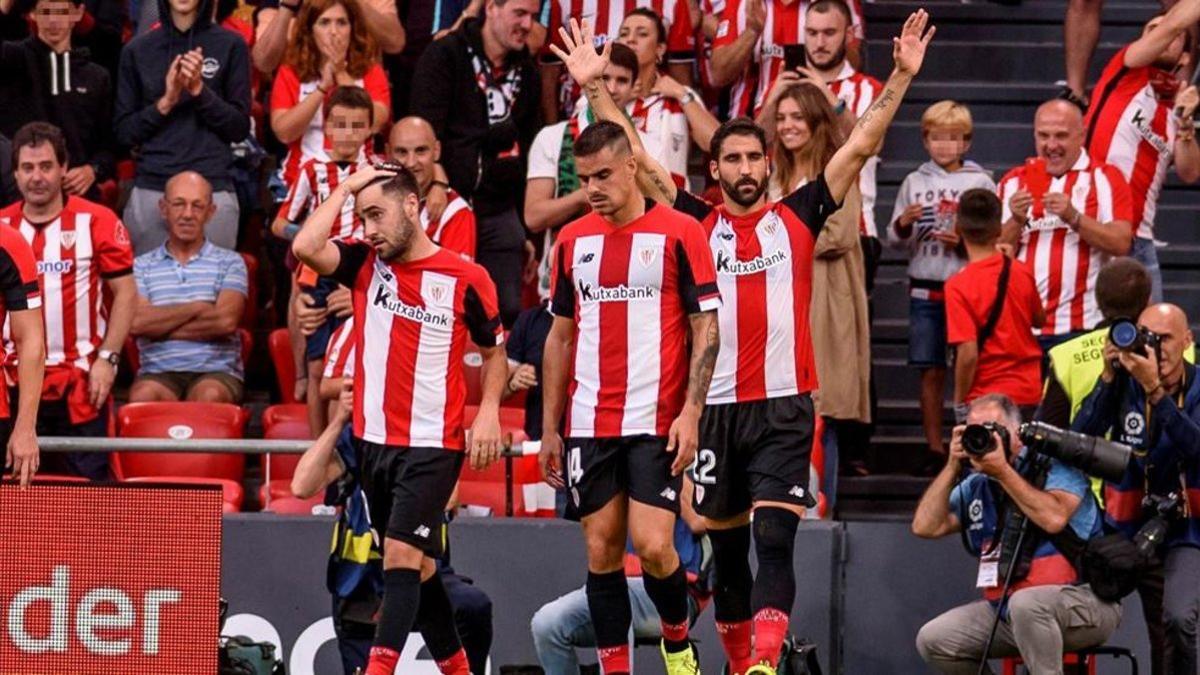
563,625
1144,252
148,230
1181,608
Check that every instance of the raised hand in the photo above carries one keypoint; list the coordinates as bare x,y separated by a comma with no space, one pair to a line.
580,55
908,50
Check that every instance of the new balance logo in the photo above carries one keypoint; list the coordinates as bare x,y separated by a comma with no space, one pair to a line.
586,258
797,492
422,532
668,494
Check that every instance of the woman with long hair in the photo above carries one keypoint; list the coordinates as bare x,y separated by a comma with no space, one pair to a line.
803,129
330,48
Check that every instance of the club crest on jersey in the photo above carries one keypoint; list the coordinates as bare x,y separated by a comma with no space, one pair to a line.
67,238
646,256
121,234
439,293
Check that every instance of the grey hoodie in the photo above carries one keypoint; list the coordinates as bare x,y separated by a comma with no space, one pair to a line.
937,191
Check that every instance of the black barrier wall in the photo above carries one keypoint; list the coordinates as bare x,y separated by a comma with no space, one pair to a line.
864,590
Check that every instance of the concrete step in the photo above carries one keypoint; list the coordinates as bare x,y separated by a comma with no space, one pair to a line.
1000,59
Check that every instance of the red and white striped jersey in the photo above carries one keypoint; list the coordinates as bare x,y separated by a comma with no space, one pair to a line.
85,243
764,265
783,24
339,354
606,17
455,230
663,128
413,321
18,287
630,289
1062,262
859,91
1131,128
314,183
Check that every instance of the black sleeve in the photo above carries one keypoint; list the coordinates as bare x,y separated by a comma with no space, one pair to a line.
353,256
103,145
686,202
563,299
18,293
813,204
483,328
1055,408
515,345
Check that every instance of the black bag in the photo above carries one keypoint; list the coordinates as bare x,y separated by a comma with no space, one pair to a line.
799,658
239,655
1112,566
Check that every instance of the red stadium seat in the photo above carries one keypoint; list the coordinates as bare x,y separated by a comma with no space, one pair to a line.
473,372
817,462
286,421
180,420
231,491
294,506
250,315
280,347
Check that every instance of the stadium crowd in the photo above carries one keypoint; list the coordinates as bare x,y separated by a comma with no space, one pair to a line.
288,145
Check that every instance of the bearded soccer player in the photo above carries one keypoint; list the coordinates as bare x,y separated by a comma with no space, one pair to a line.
415,305
757,429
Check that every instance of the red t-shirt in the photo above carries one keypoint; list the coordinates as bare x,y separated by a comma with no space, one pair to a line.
1010,362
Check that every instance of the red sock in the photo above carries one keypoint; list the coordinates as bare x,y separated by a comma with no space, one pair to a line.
675,635
614,660
383,661
456,664
770,630
735,638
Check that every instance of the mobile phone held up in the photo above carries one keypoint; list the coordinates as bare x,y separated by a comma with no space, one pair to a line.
793,57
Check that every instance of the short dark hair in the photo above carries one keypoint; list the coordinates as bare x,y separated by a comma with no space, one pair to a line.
33,5
738,126
352,97
402,184
34,134
622,56
1122,289
601,135
655,18
979,216
839,6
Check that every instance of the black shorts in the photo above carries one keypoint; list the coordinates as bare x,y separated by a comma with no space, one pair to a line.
598,469
753,451
407,491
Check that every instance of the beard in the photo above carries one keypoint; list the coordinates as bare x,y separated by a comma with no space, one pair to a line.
397,246
838,57
733,191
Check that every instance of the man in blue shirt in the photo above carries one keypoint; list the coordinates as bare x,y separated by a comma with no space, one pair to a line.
191,295
1046,611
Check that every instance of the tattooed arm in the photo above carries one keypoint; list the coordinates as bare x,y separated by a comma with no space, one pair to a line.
908,51
684,437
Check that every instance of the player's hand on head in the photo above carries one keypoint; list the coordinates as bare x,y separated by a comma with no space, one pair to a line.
366,175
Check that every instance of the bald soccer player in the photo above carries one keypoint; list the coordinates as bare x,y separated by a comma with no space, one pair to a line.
414,145
1067,213
1157,404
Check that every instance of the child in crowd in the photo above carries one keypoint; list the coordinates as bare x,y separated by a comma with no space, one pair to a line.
923,225
319,304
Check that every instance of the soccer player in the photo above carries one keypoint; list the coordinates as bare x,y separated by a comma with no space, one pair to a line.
21,308
756,433
415,305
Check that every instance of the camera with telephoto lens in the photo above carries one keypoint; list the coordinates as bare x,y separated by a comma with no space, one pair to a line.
1162,510
1130,337
1094,456
977,439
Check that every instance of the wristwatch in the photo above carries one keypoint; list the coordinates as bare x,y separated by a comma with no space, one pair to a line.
689,95
112,357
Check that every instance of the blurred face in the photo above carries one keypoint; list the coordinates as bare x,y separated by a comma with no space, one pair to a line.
417,150
990,412
619,83
608,177
790,125
389,223
39,175
510,24
186,206
55,19
1170,57
742,169
640,34
1174,335
825,39
332,31
946,147
1058,135
184,7
347,130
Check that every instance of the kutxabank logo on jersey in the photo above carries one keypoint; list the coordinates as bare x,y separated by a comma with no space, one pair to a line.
727,264
384,300
589,293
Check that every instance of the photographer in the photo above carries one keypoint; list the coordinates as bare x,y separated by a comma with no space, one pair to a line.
1046,613
1148,398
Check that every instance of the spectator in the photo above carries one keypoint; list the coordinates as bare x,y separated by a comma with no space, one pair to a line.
478,87
76,244
666,112
1142,123
525,345
59,84
565,624
8,181
414,145
992,307
1049,612
553,196
191,296
750,60
274,38
923,226
1065,206
332,49
183,96
609,19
